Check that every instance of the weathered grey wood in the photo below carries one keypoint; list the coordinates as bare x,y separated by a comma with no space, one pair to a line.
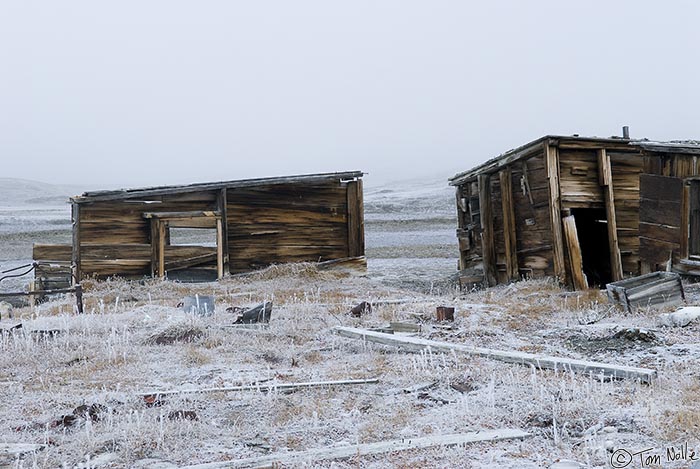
509,232
415,344
551,155
578,278
222,206
299,458
192,261
265,387
356,246
17,449
487,236
76,272
193,214
605,180
94,196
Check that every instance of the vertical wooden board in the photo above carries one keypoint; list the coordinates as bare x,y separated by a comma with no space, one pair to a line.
355,219
161,248
605,179
487,234
219,250
154,246
509,233
574,250
222,207
551,154
76,271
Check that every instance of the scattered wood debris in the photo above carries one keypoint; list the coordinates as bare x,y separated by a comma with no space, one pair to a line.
19,449
183,415
445,313
258,314
654,289
82,413
415,344
404,327
420,387
361,309
176,334
350,451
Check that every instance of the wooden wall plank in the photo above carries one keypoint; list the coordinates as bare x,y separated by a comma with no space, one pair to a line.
76,271
487,235
551,154
509,231
605,179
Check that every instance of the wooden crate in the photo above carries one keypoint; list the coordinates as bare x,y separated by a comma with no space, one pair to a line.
654,289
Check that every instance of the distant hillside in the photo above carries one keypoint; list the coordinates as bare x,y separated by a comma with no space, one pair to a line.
15,192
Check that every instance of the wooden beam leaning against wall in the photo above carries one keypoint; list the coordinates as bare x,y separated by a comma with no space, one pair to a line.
605,180
509,234
487,241
578,278
551,155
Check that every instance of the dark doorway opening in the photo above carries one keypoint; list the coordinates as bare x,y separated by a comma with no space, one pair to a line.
592,228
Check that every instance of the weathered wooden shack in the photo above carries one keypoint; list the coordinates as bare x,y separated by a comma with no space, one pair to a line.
252,223
588,211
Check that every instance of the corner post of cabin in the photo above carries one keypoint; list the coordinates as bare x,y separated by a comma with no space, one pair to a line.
551,155
222,201
162,228
509,234
605,180
75,254
219,250
355,217
487,241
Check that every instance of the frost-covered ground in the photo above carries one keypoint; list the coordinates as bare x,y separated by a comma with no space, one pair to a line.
71,382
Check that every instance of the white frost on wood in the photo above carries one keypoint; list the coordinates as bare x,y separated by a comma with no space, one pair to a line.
680,318
19,448
415,344
345,452
265,387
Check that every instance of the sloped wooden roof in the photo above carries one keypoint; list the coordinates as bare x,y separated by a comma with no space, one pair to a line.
95,196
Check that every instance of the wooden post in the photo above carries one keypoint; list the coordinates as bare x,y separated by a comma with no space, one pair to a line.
161,248
154,247
487,241
222,202
574,249
605,180
551,155
509,223
75,256
219,250
356,229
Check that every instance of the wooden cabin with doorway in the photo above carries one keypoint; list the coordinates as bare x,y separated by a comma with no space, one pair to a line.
587,211
559,206
203,231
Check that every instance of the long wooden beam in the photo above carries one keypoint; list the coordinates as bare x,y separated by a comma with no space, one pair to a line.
415,344
299,458
264,387
573,246
76,271
605,180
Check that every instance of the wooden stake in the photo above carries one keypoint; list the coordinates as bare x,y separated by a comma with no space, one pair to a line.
299,458
414,344
574,249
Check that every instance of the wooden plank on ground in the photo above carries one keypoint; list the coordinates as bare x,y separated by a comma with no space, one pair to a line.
487,235
265,387
578,278
414,344
298,458
509,223
605,180
551,154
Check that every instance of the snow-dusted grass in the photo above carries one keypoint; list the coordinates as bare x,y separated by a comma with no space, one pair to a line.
108,355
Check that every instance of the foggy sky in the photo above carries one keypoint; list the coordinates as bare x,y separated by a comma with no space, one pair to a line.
129,93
